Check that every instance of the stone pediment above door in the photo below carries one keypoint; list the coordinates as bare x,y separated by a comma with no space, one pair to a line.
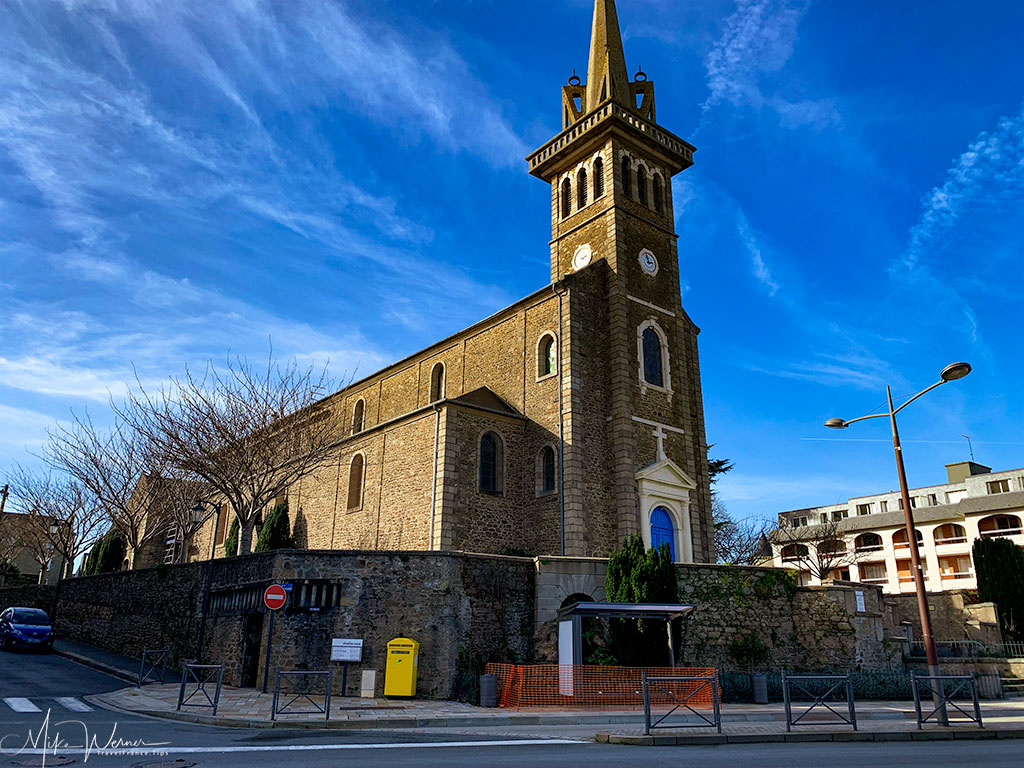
665,479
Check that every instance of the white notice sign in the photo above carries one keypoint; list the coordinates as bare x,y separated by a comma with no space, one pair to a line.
345,649
860,600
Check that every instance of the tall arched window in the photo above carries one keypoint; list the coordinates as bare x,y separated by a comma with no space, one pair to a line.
662,531
653,362
627,177
546,470
547,356
566,198
357,417
598,178
437,383
581,188
659,194
355,482
492,461
641,184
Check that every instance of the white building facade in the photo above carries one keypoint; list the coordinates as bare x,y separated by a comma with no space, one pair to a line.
976,503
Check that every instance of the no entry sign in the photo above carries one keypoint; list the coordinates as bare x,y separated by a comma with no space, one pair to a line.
274,597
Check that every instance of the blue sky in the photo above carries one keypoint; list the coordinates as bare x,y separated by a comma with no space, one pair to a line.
179,179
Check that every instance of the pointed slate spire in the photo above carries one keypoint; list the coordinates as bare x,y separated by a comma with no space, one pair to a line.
607,76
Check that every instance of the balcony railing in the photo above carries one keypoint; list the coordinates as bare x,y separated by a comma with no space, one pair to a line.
949,576
953,540
870,548
875,580
1001,532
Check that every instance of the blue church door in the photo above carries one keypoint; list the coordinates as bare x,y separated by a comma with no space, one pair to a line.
662,531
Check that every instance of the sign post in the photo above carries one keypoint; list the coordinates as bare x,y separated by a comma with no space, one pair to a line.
346,650
274,598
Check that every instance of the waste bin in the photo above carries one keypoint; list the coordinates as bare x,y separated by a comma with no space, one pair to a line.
400,673
488,691
759,683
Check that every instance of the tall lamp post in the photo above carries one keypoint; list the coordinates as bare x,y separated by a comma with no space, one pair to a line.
198,513
952,372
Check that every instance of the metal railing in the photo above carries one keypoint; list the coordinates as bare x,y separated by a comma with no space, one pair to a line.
302,691
830,687
942,689
154,666
969,649
201,675
694,689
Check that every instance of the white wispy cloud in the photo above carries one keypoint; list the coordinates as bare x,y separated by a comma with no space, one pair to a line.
758,38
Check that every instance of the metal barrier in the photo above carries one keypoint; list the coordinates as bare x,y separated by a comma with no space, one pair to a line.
694,691
935,686
302,691
202,675
154,666
831,685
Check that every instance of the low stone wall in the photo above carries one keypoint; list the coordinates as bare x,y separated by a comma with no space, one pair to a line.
28,596
954,616
465,610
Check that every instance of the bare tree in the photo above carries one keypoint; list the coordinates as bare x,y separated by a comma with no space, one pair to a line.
249,433
738,542
818,549
172,502
109,464
62,516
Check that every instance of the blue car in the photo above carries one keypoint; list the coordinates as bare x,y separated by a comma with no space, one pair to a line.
25,628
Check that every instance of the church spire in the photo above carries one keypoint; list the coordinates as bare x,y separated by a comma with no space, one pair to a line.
607,76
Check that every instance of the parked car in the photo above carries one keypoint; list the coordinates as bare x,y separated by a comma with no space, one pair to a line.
25,628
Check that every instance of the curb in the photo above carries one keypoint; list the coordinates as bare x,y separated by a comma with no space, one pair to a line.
695,740
85,661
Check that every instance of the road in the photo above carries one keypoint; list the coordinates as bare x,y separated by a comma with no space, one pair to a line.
44,684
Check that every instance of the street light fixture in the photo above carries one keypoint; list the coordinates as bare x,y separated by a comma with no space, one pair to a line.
198,513
952,372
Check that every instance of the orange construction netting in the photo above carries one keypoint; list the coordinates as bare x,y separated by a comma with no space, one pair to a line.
593,687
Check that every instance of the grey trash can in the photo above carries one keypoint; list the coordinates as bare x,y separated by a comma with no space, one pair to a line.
488,691
759,683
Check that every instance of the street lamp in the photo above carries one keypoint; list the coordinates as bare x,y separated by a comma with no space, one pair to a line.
198,513
952,372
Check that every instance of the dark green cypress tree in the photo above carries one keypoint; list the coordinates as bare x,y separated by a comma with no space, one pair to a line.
231,542
276,533
638,575
999,565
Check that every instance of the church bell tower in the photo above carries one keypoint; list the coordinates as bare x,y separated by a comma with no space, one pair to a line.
614,246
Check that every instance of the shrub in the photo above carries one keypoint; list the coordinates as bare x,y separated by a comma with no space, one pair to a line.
231,542
999,564
276,532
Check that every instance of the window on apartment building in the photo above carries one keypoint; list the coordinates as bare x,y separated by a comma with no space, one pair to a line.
840,514
863,509
883,506
900,540
998,486
798,522
933,500
955,567
999,525
950,533
913,502
823,517
872,573
868,542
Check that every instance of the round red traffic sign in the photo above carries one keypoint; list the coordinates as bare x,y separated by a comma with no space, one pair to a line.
274,597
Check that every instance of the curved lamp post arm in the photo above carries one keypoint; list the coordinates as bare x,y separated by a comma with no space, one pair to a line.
919,394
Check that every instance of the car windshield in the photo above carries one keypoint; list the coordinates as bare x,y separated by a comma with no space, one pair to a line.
30,616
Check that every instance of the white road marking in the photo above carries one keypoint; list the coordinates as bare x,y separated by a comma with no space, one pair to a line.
21,705
69,702
168,750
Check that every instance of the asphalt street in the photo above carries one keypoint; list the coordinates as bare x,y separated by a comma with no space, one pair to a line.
41,701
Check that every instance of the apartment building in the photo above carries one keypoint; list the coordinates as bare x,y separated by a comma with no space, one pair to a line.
869,538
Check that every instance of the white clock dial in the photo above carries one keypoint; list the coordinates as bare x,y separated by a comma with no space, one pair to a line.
648,262
582,257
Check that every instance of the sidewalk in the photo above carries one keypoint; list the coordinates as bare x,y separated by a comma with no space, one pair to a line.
111,663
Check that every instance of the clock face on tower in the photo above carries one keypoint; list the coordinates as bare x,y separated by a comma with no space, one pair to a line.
582,257
648,262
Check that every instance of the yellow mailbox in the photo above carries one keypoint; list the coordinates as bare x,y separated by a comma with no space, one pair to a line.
400,675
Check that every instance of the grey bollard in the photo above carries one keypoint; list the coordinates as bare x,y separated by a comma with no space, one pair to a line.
488,691
759,683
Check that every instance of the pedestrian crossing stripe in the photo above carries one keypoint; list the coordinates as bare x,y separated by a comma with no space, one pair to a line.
69,702
21,705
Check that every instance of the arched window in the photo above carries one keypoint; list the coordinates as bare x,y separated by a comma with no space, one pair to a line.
492,461
832,547
999,525
627,177
546,470
868,542
357,417
581,188
792,552
598,178
950,533
355,482
547,356
659,194
437,383
653,358
900,540
641,184
566,198
662,531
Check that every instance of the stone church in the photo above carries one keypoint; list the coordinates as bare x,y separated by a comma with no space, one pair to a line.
569,420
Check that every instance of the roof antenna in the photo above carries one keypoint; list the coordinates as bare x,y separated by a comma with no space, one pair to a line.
971,447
